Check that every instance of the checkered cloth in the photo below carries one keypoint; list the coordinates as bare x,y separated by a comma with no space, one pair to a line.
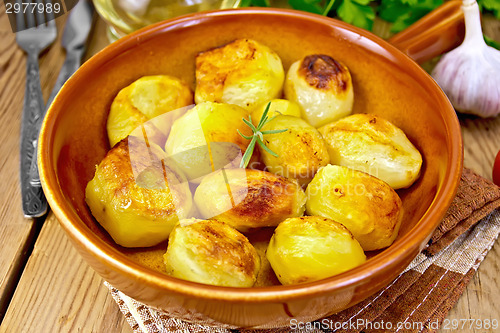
416,301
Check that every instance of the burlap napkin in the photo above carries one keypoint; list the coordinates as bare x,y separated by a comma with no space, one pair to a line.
416,301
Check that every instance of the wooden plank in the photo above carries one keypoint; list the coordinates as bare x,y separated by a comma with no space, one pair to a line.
480,299
59,292
482,142
16,232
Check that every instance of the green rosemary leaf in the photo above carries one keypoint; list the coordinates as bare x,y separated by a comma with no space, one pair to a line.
248,153
248,137
274,131
272,118
257,136
250,125
266,148
263,118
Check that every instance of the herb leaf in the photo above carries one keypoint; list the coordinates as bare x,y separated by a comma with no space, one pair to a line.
246,3
357,12
362,13
311,6
261,3
491,5
266,148
248,153
273,131
491,42
257,136
404,13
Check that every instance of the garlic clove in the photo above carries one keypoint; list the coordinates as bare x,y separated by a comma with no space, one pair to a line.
470,74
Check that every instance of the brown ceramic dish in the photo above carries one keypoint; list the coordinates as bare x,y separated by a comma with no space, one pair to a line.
386,83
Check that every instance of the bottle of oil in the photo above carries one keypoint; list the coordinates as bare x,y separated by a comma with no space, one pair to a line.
126,16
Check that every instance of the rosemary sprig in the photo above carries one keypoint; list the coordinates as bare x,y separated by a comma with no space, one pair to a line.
257,136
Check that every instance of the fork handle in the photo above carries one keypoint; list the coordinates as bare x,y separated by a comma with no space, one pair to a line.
33,199
71,64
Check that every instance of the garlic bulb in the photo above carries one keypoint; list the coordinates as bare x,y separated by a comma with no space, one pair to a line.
470,74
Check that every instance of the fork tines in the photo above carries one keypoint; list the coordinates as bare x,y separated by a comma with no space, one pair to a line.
33,13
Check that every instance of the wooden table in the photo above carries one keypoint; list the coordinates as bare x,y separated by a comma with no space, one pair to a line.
45,286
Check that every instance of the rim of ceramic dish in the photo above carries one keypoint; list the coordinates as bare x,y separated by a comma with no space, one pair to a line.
385,261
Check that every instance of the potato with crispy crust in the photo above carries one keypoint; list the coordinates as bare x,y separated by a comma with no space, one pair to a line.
137,198
143,100
366,205
374,145
211,252
301,149
243,72
322,86
206,139
248,199
310,248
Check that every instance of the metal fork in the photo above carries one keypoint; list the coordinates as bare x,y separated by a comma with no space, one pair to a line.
36,31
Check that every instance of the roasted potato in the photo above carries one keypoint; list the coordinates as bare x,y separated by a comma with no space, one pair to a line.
248,199
322,86
374,145
310,248
137,195
301,149
211,252
367,206
276,108
206,139
143,100
243,72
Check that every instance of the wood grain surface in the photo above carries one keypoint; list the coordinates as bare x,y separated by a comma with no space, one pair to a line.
59,292
481,144
16,232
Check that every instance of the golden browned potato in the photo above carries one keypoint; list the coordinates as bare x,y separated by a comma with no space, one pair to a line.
131,197
247,199
310,248
243,72
374,145
322,86
276,108
366,205
143,100
301,149
211,123
211,252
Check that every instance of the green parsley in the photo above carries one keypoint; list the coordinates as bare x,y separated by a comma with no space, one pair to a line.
362,13
492,6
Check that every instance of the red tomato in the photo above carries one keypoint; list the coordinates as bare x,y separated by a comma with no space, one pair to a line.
496,169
